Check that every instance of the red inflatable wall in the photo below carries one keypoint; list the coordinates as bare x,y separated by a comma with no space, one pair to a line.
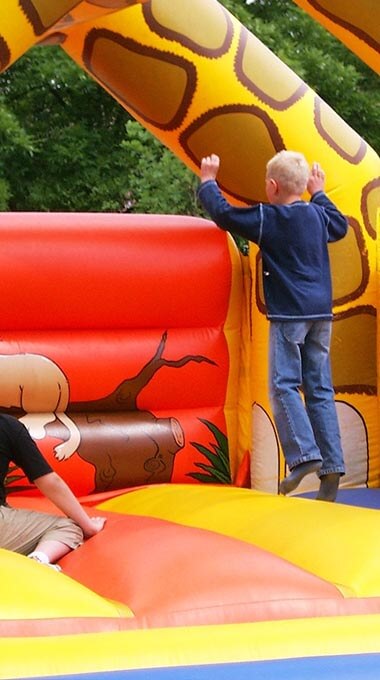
117,349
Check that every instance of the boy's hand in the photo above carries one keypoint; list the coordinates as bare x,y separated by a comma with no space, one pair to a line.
209,167
96,524
316,180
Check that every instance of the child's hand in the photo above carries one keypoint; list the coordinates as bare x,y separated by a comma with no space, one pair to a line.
316,180
96,525
209,167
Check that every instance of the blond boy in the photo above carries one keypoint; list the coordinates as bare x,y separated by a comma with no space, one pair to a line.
292,235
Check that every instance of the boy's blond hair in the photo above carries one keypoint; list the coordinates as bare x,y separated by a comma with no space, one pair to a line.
291,170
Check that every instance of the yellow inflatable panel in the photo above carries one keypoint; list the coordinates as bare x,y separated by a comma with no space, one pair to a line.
190,647
25,594
356,24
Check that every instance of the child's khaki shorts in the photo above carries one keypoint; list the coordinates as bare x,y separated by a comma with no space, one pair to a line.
22,530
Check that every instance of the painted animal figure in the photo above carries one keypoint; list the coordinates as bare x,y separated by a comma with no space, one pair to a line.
37,386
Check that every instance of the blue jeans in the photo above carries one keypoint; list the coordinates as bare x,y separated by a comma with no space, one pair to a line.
299,359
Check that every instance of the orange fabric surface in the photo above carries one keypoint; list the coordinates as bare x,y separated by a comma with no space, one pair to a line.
114,325
171,575
114,277
27,628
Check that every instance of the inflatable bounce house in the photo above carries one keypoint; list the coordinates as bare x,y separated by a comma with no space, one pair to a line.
133,347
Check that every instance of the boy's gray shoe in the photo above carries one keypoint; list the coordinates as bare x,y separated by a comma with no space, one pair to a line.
329,487
297,474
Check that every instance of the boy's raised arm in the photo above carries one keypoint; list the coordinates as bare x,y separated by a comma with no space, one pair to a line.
209,167
316,180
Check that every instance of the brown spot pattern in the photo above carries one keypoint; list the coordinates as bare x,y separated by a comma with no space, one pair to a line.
64,23
370,203
5,55
349,265
337,133
260,300
278,87
56,38
122,65
43,14
356,17
235,131
353,351
210,35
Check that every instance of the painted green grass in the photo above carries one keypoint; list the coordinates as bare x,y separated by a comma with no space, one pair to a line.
217,468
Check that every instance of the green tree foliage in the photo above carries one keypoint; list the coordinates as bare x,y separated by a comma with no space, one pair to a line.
68,135
67,145
160,182
14,143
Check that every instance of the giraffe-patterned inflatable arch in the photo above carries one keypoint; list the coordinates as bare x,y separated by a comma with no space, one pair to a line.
201,82
355,24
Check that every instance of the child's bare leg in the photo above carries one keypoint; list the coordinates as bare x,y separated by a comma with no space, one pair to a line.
53,550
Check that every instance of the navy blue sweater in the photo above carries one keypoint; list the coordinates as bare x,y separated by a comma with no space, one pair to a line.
293,243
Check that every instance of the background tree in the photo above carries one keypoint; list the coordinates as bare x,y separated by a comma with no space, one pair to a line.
155,169
15,144
67,145
69,133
